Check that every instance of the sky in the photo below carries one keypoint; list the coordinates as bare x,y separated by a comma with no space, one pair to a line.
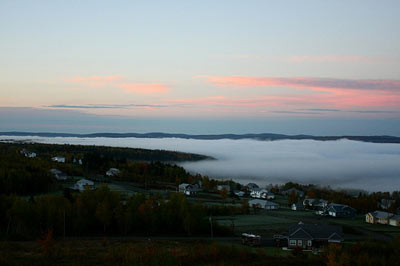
287,66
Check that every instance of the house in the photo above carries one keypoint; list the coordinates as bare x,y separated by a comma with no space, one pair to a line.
59,159
27,153
189,189
315,203
252,186
322,211
77,161
263,204
83,184
320,203
340,210
298,206
298,192
395,220
308,202
378,217
259,193
386,203
222,187
238,193
270,195
113,172
58,174
313,236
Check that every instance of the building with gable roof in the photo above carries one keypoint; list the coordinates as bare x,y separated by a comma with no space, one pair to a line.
312,236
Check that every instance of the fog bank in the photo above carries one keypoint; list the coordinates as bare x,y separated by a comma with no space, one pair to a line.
343,163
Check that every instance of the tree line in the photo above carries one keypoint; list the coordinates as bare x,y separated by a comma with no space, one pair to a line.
101,211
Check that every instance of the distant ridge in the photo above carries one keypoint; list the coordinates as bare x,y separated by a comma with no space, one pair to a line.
261,136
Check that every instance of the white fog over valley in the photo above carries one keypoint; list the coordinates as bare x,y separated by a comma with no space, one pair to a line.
340,164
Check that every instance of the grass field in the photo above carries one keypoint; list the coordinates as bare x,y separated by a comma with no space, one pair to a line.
105,252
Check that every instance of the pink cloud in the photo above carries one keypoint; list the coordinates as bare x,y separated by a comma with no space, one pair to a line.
341,59
303,82
335,99
97,81
118,81
145,88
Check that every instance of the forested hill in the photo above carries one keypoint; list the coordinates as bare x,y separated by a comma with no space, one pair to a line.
262,136
114,153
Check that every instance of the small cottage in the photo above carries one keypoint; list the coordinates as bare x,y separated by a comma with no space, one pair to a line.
113,172
83,184
263,204
28,154
340,210
58,174
378,217
189,189
394,220
59,159
298,206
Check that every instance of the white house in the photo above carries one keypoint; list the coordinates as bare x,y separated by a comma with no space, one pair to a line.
395,220
83,184
77,161
238,193
113,172
58,174
298,206
59,159
259,193
263,204
189,189
28,154
321,203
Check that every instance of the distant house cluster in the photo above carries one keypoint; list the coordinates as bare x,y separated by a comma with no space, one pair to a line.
58,159
381,217
263,204
189,189
28,154
113,172
58,174
83,184
259,193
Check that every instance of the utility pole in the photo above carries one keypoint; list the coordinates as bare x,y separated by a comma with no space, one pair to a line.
211,225
64,224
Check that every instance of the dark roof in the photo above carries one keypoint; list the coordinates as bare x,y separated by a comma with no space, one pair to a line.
315,231
290,190
340,207
253,185
396,217
381,214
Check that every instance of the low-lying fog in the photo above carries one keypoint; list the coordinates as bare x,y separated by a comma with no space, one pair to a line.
343,163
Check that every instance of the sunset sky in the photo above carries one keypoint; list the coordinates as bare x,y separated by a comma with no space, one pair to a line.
313,67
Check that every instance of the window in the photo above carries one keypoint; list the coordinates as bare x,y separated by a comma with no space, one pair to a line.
299,242
309,243
292,242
